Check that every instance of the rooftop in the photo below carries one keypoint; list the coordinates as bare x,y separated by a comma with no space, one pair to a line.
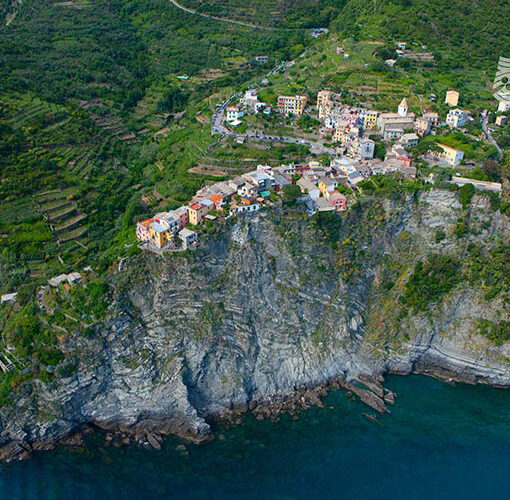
159,227
186,232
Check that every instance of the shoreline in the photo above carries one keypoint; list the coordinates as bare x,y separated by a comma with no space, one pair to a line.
151,432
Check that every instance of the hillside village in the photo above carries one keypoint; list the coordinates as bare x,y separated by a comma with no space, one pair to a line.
323,187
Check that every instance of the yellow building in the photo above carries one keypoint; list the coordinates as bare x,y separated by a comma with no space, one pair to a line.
197,212
323,97
326,186
452,98
339,135
370,120
292,105
450,155
160,233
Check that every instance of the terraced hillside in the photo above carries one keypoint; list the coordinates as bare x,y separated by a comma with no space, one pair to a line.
59,170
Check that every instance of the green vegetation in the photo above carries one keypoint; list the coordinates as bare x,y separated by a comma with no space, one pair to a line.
497,332
391,185
430,281
490,269
295,14
466,192
291,194
460,34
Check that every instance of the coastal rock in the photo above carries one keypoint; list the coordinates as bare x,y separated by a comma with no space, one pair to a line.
266,312
153,442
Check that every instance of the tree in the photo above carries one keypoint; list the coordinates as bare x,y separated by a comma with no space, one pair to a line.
466,192
291,193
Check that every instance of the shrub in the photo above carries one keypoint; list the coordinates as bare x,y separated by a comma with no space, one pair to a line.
430,281
291,193
466,192
440,235
497,332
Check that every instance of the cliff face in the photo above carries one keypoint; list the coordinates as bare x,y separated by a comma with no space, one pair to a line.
272,304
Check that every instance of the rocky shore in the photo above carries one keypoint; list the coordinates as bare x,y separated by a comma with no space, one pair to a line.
266,318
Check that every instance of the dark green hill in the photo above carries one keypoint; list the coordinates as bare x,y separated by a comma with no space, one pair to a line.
466,33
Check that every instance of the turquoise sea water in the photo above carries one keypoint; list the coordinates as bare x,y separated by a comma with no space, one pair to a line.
440,441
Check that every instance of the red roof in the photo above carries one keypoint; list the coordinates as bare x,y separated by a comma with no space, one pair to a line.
146,223
216,198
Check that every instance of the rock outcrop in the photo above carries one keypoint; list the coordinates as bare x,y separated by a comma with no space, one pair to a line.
268,309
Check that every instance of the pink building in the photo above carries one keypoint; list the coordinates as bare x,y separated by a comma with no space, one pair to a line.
181,214
337,200
142,230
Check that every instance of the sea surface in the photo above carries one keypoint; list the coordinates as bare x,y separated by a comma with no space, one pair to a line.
440,441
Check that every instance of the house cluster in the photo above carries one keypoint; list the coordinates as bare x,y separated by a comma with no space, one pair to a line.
249,104
317,32
393,126
73,278
347,125
320,184
168,229
246,193
403,50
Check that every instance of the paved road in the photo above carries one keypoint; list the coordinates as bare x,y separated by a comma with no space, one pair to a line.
217,126
224,19
487,132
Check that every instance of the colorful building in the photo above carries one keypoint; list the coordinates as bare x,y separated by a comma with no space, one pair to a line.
160,233
292,105
197,211
452,98
450,155
323,96
338,201
327,185
142,230
370,120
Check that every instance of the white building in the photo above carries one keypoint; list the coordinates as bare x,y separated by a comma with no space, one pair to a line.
410,140
457,118
9,297
366,149
189,238
233,114
393,134
403,108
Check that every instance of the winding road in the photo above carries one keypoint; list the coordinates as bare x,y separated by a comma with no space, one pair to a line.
487,132
223,19
218,127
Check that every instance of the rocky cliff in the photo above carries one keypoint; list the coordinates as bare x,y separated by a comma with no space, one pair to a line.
270,306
